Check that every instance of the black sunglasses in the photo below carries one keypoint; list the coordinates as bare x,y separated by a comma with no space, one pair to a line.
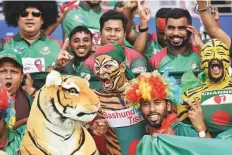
120,4
34,13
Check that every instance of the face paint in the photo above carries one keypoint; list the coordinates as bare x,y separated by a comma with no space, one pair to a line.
109,72
215,60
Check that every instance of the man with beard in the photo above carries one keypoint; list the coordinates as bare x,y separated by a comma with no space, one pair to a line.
155,95
215,93
37,50
180,55
87,13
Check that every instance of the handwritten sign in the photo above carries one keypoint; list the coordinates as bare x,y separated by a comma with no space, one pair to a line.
122,118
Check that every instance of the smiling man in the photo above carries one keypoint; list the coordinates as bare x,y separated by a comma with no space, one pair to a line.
180,54
155,95
80,41
32,17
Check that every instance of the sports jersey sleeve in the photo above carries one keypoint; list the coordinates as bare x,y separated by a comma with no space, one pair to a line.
150,46
85,69
182,129
72,20
69,69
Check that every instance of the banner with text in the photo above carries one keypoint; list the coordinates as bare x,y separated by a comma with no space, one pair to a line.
122,118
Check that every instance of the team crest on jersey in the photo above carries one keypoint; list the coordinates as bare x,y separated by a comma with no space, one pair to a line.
194,66
139,70
45,50
79,18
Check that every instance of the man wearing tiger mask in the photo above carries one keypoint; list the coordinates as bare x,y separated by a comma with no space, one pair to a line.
214,94
115,76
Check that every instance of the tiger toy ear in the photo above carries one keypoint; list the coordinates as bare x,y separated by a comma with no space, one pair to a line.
53,78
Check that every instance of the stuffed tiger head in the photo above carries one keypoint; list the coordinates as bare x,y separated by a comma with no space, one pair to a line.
110,72
215,60
66,100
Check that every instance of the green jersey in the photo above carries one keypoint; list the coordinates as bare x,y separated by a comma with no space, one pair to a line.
152,49
83,16
168,58
37,56
182,129
77,68
14,140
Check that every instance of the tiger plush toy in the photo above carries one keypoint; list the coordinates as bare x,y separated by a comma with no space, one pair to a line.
215,94
54,125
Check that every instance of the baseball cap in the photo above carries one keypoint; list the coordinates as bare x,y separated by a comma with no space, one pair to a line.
10,54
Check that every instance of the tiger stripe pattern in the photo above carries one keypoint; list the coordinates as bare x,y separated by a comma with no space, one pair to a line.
111,101
54,125
213,51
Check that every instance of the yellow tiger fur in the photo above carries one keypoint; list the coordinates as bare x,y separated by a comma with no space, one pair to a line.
54,125
213,49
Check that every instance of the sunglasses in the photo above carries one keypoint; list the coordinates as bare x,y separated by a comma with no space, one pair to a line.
34,14
120,4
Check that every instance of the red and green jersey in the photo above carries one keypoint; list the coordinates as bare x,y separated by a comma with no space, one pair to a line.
172,126
167,58
153,46
37,56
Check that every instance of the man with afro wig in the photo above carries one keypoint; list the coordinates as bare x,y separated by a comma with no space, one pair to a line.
37,50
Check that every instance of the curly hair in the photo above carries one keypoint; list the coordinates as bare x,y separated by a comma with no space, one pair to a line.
12,10
153,85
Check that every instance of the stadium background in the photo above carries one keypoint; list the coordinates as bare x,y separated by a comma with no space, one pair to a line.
225,19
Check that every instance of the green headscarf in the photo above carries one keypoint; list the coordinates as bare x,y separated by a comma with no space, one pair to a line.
117,53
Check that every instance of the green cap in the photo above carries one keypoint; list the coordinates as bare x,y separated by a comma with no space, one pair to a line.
10,54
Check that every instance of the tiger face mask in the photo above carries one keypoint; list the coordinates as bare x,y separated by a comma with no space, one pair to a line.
215,60
110,72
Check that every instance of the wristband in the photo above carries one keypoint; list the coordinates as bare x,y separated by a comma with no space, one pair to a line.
55,67
143,30
202,10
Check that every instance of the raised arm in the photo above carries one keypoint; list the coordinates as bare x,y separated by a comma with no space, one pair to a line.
129,12
211,25
141,41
